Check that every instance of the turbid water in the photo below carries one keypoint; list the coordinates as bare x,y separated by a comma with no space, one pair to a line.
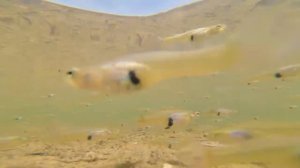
45,123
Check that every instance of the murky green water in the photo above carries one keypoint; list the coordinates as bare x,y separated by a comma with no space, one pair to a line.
38,46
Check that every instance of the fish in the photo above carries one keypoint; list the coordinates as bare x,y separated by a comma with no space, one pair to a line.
221,112
288,71
98,133
180,118
196,35
283,73
12,138
168,118
143,70
234,134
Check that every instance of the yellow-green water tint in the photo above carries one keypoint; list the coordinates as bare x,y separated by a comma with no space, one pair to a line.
40,41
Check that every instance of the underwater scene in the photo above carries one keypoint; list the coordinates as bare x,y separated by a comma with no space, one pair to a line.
212,84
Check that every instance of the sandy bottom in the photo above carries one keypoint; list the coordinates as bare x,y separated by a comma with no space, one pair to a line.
144,147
